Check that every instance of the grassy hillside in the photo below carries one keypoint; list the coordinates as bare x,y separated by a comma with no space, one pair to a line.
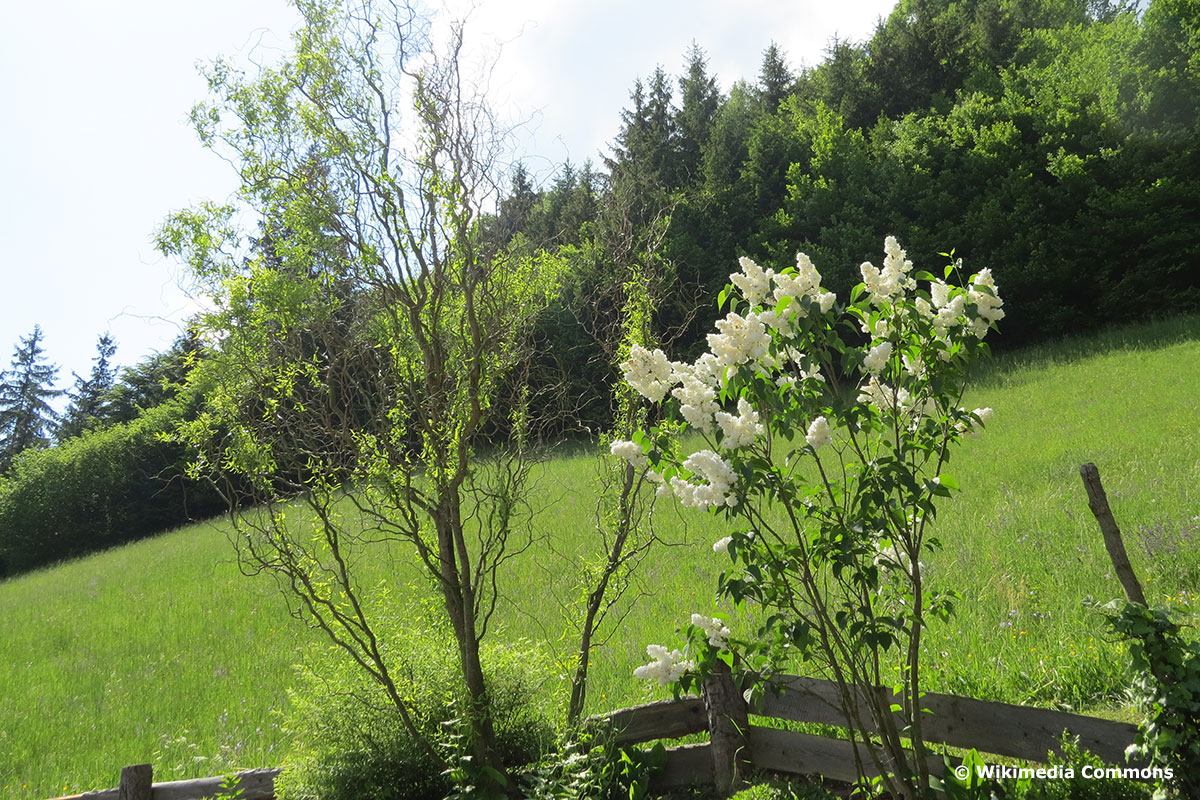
162,651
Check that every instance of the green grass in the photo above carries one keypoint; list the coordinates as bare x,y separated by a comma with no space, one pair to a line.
162,651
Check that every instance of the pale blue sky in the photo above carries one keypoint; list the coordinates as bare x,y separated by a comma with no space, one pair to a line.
95,148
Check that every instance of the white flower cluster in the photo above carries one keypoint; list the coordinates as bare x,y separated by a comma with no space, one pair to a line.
697,394
714,629
722,545
741,339
648,372
666,667
877,358
887,284
753,281
884,397
718,491
740,430
630,451
805,282
890,399
819,434
987,303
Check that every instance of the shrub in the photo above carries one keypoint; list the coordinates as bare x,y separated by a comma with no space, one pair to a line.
348,741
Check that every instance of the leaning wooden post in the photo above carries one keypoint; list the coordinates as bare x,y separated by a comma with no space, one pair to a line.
1098,502
136,783
728,724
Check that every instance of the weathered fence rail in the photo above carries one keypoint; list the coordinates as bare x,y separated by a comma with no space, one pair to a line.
137,784
999,729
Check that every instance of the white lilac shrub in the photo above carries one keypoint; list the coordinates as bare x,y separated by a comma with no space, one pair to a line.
827,430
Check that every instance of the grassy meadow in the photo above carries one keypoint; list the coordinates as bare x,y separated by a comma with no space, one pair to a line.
163,651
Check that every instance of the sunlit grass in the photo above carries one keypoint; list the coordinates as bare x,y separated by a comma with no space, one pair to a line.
162,651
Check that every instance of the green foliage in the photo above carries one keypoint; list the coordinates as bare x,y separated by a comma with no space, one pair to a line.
1166,684
99,489
590,767
781,789
349,742
228,788
1074,769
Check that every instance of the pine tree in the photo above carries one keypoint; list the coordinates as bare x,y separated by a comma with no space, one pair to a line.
25,391
90,397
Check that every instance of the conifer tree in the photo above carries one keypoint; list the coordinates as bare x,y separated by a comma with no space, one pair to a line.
90,397
775,80
699,100
25,391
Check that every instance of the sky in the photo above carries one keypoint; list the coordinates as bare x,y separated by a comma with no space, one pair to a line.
96,150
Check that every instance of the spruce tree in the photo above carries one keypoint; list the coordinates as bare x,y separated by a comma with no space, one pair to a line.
699,100
90,397
775,80
26,417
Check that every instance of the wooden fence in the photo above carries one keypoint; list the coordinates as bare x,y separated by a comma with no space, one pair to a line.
137,783
735,744
999,729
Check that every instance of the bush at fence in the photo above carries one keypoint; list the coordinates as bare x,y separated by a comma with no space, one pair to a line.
349,743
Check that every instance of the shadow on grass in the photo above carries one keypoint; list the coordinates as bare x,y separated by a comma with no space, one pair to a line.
1146,336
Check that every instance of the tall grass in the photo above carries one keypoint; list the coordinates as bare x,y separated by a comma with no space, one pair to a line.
162,651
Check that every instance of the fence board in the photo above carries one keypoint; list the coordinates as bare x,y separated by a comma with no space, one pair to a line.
990,727
665,719
686,765
808,754
258,784
801,753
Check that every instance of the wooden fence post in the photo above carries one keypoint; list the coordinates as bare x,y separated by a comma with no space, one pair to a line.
1098,502
136,783
728,725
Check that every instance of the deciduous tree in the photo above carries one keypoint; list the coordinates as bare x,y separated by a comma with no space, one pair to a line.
357,367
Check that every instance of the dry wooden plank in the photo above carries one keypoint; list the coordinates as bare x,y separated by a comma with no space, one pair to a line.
665,719
1020,731
686,765
990,727
806,754
804,700
258,784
